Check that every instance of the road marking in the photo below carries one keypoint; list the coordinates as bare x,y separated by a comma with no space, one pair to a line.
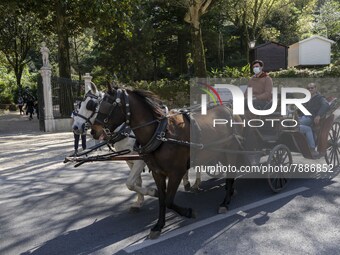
147,242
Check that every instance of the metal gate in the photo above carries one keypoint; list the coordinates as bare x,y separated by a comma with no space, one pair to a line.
64,93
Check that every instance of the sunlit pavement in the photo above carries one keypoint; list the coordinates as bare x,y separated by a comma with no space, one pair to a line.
48,207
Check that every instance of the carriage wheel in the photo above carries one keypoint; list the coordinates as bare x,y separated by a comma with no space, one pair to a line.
280,155
333,152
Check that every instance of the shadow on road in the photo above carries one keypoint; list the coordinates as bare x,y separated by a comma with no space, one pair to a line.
104,233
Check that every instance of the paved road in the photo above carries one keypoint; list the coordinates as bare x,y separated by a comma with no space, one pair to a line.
47,207
12,122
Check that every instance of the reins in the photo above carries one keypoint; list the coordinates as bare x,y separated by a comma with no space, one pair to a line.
88,120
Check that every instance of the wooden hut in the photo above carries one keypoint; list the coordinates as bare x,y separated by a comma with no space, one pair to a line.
274,55
313,51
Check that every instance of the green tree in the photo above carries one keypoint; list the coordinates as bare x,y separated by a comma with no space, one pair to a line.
250,17
195,9
291,22
124,39
327,20
170,39
81,55
65,19
18,36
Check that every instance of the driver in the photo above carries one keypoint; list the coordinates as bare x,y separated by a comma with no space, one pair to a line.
262,86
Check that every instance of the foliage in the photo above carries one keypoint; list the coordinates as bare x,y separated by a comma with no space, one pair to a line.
230,72
151,41
267,20
175,93
7,86
327,20
124,40
327,23
329,71
81,48
250,16
18,35
305,10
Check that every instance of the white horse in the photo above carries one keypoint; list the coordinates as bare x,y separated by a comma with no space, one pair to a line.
86,114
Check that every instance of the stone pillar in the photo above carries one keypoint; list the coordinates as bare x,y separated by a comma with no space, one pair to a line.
87,80
46,73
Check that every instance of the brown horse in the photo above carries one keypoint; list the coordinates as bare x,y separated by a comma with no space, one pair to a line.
161,142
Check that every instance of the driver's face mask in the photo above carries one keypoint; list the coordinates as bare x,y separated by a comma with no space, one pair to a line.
257,69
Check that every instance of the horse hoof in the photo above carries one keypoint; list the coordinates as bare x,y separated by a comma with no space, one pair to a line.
222,209
134,209
154,234
187,187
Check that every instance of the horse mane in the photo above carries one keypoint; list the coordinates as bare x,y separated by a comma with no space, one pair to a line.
151,100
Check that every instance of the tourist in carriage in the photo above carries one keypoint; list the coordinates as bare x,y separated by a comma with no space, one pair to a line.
262,86
317,106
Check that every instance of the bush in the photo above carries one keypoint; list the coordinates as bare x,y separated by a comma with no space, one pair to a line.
230,72
12,107
176,93
292,72
3,107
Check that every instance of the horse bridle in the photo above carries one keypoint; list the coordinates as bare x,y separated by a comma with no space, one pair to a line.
91,106
110,102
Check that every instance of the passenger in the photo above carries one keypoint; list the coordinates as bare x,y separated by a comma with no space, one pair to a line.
317,106
262,86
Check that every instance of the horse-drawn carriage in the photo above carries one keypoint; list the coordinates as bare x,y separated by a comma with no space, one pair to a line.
164,142
273,144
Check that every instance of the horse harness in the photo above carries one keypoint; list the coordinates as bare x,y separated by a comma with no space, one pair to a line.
109,103
91,105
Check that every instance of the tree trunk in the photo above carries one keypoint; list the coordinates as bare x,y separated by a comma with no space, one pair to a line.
195,10
63,42
198,52
182,67
78,65
18,74
65,95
